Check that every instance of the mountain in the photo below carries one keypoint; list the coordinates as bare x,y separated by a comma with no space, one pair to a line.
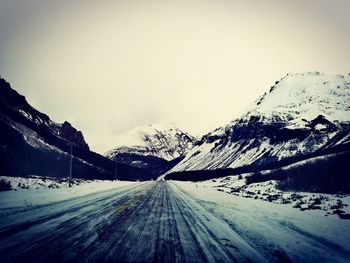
302,116
33,144
163,141
153,147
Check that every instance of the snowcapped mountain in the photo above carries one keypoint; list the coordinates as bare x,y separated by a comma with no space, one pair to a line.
152,147
302,115
164,141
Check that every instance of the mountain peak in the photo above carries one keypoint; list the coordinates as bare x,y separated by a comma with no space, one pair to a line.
161,140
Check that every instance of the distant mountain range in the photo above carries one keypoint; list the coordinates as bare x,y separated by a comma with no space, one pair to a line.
302,116
32,144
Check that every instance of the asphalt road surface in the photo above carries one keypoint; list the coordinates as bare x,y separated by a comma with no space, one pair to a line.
147,222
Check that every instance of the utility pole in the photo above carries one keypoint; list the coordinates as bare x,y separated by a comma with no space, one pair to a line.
70,165
116,171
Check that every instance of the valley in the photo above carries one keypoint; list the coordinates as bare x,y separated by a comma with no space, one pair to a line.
270,186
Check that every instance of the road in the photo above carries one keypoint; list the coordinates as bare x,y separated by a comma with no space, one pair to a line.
149,222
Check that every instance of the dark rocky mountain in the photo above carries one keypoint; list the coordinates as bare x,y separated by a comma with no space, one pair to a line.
16,106
303,116
32,144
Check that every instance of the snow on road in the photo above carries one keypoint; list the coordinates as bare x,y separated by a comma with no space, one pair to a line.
169,222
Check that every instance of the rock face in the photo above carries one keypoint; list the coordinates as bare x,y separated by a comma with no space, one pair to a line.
302,115
32,144
68,132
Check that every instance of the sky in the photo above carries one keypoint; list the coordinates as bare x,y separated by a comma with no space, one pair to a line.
110,66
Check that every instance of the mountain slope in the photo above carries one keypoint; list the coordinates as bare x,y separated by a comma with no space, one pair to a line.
31,143
302,115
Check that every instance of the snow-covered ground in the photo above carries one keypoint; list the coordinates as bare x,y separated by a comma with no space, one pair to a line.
326,204
294,235
33,191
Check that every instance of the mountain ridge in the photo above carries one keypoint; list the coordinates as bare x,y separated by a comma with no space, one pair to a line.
11,100
165,141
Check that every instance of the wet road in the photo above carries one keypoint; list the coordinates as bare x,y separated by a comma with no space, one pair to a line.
149,222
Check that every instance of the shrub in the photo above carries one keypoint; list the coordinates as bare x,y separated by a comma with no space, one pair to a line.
5,185
258,177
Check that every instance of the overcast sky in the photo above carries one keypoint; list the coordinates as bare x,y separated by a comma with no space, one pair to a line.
110,66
